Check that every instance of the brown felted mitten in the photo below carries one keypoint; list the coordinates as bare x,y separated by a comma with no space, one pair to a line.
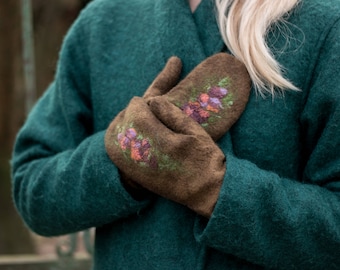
167,152
164,81
214,93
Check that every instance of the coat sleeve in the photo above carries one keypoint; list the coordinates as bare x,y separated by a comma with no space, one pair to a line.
62,178
288,223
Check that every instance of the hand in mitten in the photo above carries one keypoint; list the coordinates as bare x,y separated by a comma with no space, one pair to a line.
164,81
214,94
167,152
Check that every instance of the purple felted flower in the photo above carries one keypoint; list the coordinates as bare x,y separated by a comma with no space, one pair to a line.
124,142
215,102
217,92
145,150
131,133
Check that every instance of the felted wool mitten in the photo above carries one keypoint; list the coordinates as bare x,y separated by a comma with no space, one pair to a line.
167,152
214,93
164,81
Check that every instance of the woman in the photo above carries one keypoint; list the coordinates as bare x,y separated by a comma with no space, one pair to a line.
279,204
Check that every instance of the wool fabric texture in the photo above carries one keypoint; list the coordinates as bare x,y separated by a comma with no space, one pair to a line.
279,204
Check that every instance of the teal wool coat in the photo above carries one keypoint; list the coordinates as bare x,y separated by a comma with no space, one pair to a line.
279,206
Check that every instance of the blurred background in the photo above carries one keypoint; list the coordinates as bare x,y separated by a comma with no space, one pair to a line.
31,33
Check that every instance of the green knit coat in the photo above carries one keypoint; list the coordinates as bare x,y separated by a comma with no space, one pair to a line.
279,206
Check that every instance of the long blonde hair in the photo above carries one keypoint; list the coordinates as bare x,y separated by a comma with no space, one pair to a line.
244,25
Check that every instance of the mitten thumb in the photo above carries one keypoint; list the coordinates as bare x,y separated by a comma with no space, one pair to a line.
166,79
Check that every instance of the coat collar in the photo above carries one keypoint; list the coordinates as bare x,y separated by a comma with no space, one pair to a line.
207,28
191,37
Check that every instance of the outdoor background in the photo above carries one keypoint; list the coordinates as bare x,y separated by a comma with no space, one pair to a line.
50,19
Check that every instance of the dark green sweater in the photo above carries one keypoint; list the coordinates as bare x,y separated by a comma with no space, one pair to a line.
279,206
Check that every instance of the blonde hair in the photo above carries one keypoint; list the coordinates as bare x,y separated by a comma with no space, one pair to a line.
244,25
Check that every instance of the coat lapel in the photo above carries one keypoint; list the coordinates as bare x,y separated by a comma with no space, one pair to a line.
207,28
191,37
